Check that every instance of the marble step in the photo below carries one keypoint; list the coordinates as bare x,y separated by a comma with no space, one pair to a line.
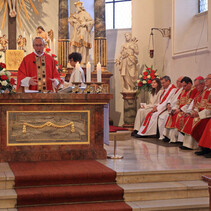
6,177
164,190
161,176
8,199
191,204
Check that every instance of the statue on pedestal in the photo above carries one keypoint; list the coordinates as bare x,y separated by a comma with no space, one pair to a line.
21,42
82,25
127,62
3,43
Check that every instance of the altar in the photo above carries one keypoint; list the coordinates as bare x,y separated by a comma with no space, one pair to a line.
39,126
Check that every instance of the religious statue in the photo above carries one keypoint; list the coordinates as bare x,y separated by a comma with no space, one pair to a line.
127,62
3,43
21,42
82,25
43,34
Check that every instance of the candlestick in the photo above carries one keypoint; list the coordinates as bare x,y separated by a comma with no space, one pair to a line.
24,34
99,74
77,71
54,46
50,45
0,33
88,72
30,43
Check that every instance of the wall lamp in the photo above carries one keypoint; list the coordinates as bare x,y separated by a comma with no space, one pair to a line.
166,32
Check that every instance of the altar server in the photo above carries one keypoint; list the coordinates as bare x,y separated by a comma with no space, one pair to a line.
38,70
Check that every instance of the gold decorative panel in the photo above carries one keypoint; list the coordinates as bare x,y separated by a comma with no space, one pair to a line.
14,59
48,127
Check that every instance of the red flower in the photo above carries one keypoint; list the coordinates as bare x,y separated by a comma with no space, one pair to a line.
152,77
148,68
60,66
145,73
47,49
4,77
12,81
153,71
152,74
53,55
140,84
149,81
56,62
144,77
3,65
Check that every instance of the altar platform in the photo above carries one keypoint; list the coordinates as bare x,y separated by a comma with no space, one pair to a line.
51,126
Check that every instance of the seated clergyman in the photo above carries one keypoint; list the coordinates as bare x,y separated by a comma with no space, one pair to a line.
38,70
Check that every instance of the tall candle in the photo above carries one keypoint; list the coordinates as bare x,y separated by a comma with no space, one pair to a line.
30,43
77,71
54,46
99,76
0,33
24,34
88,72
50,45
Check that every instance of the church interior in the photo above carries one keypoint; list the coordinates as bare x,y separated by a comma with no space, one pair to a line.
77,150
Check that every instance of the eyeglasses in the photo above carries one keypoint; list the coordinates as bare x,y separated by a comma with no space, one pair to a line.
41,45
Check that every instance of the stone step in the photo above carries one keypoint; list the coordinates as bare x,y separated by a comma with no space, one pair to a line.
161,176
164,190
8,199
6,177
191,204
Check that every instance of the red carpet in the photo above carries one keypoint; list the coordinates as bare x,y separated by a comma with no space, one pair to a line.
115,206
115,128
88,183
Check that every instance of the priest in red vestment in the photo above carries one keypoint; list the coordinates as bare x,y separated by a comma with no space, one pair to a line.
200,103
201,132
38,70
184,99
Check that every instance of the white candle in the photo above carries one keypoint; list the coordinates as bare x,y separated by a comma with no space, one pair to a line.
0,33
24,34
77,72
54,46
50,45
99,77
30,43
88,72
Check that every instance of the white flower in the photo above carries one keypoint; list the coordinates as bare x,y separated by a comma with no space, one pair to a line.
4,83
137,81
144,82
148,76
140,76
2,72
8,73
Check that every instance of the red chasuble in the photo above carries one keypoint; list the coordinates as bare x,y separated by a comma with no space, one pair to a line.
200,104
205,140
184,98
28,68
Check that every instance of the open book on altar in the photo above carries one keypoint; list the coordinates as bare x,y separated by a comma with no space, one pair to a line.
66,90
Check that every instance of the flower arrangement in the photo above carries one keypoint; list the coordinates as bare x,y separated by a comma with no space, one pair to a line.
144,81
6,83
59,67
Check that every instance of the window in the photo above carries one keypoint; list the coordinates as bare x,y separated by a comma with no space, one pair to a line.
203,5
118,14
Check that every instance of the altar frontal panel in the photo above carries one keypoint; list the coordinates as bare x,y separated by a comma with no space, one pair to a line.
48,127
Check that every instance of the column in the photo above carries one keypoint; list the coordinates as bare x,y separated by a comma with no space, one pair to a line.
100,44
63,36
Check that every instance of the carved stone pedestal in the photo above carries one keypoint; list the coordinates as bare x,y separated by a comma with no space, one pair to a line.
129,109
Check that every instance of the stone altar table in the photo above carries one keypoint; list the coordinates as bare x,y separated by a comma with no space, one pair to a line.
51,126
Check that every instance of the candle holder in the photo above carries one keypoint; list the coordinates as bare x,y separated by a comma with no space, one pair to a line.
76,89
89,89
99,88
